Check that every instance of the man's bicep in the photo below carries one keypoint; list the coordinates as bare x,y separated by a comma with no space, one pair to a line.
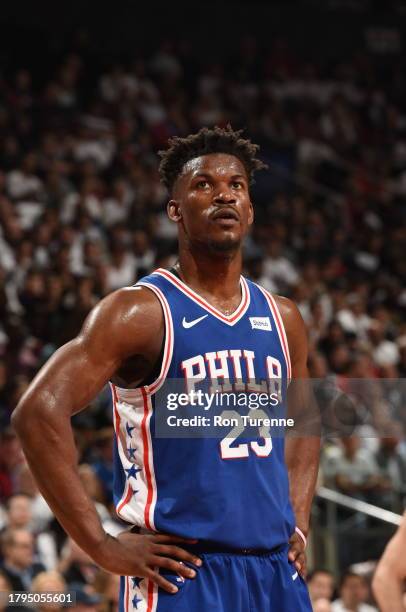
302,405
70,379
296,334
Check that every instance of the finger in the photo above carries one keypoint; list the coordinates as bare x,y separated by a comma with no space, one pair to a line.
293,553
177,553
163,537
301,570
175,566
300,562
296,547
161,582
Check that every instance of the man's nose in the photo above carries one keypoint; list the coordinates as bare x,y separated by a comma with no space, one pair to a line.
224,196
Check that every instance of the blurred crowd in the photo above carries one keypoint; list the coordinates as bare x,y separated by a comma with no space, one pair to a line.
82,213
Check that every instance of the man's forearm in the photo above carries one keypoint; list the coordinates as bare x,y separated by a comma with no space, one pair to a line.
48,444
388,582
302,460
388,590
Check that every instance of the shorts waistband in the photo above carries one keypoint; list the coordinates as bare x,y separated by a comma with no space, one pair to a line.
206,546
212,547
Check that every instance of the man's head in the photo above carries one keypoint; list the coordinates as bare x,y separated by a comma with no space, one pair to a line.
18,548
49,582
208,176
19,510
321,585
353,590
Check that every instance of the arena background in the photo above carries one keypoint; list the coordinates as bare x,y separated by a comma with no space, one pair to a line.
88,94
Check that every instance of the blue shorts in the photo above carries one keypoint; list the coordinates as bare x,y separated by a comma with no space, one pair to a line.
226,582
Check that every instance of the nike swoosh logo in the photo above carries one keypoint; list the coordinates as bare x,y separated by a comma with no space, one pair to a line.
294,576
187,324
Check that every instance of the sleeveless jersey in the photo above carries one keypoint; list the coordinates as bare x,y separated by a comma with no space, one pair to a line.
232,493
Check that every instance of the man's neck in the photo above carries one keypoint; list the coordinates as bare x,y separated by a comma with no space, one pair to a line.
215,276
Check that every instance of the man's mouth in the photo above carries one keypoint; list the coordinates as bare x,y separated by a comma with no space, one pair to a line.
226,216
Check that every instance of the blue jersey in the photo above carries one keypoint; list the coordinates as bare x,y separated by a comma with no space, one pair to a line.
231,491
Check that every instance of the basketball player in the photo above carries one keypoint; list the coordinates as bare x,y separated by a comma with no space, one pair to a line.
218,524
390,575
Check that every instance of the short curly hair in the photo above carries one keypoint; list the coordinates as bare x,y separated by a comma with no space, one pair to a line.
204,142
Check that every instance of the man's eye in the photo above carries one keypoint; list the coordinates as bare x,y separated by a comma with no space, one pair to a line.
236,185
203,184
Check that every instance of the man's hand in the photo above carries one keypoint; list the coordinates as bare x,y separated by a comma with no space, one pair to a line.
297,554
131,554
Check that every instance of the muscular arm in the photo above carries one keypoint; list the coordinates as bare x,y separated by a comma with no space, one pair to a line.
303,445
114,330
391,572
128,323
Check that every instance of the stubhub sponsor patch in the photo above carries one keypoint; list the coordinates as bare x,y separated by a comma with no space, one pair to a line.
261,323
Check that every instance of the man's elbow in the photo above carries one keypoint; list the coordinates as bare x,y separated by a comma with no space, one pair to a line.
29,410
19,417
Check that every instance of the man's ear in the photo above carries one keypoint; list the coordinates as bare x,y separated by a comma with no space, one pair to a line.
251,214
173,210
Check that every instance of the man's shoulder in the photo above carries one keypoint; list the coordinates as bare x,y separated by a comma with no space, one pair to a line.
287,308
126,307
127,322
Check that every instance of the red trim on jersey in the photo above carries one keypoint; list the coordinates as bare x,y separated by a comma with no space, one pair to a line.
117,419
125,500
202,302
168,348
150,491
150,595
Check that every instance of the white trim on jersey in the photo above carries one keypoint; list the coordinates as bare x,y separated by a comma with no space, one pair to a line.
120,438
133,407
133,412
273,307
169,339
195,297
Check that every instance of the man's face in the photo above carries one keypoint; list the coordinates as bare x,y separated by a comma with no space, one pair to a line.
353,591
211,202
20,552
321,586
19,513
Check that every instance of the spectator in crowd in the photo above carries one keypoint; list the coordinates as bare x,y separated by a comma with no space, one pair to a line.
10,459
321,585
18,558
5,589
19,512
49,582
353,470
354,595
85,599
108,585
391,461
322,605
103,461
25,485
75,565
